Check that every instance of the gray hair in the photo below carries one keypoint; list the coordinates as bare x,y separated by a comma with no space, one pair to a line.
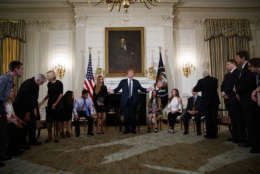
40,77
206,73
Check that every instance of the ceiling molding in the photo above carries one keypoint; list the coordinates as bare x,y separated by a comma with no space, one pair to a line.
220,4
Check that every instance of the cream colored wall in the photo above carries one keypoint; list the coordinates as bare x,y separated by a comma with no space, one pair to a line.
59,31
190,46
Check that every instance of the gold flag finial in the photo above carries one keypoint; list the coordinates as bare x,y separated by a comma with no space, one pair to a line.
160,49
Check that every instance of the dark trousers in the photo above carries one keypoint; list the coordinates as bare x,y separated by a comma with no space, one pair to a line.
129,115
32,130
249,110
3,131
172,119
211,114
14,138
90,126
186,119
236,116
256,141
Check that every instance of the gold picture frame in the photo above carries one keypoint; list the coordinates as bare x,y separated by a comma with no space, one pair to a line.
124,49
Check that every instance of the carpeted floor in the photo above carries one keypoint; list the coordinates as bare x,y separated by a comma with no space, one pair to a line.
140,153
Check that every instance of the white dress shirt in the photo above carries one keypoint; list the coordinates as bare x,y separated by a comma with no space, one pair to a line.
174,105
233,69
244,64
130,80
10,112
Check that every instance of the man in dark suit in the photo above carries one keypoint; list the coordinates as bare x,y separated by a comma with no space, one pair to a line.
26,106
244,88
209,103
129,99
193,110
231,102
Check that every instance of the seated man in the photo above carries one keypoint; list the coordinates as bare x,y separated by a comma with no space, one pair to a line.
84,108
192,110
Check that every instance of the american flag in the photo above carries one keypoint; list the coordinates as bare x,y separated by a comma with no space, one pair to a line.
89,82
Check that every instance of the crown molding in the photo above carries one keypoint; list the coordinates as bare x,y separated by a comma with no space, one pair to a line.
220,4
39,4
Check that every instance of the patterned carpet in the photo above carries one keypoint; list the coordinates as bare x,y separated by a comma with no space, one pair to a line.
140,153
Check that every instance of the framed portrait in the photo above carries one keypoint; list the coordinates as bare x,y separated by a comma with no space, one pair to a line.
124,50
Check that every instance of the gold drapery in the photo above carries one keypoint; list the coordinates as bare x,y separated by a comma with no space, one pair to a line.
11,51
225,37
12,39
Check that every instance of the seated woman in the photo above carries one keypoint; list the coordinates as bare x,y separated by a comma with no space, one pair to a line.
100,97
174,109
14,126
154,107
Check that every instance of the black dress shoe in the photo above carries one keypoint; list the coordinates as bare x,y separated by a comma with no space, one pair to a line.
25,147
243,144
254,150
16,153
206,136
91,134
2,164
133,131
199,133
5,158
229,139
126,132
36,143
210,137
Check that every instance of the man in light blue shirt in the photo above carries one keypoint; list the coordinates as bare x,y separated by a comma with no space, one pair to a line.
83,107
6,84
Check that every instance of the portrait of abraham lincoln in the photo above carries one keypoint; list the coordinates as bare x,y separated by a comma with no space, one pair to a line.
124,50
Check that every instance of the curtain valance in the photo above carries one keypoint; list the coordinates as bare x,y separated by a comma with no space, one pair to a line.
227,28
14,29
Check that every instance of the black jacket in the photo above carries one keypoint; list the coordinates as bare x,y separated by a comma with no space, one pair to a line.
27,96
246,83
208,87
190,104
124,86
229,82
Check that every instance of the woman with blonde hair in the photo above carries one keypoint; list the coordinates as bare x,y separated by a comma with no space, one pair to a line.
174,109
100,95
53,109
15,127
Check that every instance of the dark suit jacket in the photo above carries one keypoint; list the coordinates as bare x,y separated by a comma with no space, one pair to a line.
208,86
246,83
229,82
125,92
190,104
27,96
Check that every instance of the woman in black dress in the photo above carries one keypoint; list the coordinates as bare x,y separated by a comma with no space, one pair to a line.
100,95
68,102
54,106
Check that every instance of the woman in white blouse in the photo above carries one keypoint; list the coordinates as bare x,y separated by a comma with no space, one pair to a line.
11,117
14,126
174,108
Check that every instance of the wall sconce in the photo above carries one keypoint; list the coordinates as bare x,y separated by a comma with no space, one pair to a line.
151,73
99,70
187,69
60,70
